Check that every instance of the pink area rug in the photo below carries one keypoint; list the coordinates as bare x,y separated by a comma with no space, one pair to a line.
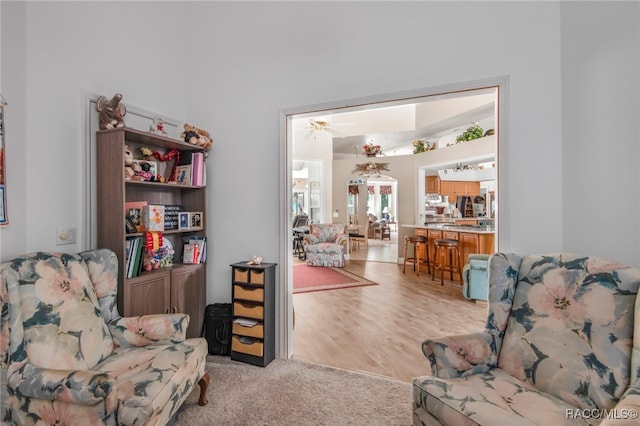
318,278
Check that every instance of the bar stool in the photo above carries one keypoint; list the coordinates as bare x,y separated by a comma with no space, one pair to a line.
416,241
442,246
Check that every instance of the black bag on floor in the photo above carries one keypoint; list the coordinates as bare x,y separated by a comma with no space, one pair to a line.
217,328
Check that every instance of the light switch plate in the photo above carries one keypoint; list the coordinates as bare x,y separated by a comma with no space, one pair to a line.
66,235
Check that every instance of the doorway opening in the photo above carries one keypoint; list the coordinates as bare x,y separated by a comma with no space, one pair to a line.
322,134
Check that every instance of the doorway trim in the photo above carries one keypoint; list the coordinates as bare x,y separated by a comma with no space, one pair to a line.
284,292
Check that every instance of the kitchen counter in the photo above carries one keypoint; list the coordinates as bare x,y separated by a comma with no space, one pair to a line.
472,229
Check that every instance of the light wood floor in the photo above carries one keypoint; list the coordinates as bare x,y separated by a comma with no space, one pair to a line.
379,329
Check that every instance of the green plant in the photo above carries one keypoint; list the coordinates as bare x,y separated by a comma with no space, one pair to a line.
472,132
420,145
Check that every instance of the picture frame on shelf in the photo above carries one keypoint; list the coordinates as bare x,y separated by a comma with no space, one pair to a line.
184,220
148,170
183,174
196,219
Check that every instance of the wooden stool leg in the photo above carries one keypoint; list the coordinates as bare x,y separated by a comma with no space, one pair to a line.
435,263
451,263
404,265
441,257
428,261
416,258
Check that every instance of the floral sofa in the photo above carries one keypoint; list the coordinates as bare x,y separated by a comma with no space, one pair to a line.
561,346
326,244
67,357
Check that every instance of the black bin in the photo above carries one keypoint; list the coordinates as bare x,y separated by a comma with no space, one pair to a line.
218,318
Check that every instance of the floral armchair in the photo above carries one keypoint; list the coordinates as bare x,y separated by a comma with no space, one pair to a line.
67,356
326,244
561,346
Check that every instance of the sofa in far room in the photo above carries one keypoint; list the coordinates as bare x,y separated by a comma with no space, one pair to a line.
67,356
561,346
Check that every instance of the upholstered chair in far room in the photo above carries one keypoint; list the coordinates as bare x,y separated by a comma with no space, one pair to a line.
326,244
562,339
474,277
68,357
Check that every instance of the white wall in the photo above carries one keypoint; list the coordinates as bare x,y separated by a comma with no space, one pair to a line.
14,89
61,50
601,128
232,67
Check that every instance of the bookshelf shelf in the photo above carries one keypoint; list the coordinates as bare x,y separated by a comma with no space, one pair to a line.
180,288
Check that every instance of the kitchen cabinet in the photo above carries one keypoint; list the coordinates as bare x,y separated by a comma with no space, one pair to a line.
432,185
452,188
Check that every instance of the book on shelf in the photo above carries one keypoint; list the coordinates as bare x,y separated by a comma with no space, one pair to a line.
195,250
171,213
134,256
153,217
196,161
198,168
190,253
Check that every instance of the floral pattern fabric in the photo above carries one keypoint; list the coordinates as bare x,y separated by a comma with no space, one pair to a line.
325,245
559,334
67,356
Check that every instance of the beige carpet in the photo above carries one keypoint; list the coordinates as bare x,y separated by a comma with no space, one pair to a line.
289,392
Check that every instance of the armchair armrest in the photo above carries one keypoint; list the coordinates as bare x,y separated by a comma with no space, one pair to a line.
459,356
82,387
161,329
479,256
627,409
342,239
310,239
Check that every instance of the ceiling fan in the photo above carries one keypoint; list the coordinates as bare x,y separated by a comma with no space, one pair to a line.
323,125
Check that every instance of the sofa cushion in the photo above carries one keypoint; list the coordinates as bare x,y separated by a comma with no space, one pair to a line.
58,313
495,398
571,327
328,248
147,377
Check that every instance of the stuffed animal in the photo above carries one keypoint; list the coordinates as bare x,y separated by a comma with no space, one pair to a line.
130,166
111,112
149,262
157,127
196,136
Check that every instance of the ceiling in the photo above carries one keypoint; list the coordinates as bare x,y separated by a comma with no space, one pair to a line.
394,126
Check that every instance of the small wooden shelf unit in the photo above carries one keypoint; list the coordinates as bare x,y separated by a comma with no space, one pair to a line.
253,299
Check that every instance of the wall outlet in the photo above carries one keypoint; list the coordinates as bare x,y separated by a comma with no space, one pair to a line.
66,235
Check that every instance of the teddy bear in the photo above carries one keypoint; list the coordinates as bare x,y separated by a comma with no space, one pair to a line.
196,136
130,166
111,112
157,126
